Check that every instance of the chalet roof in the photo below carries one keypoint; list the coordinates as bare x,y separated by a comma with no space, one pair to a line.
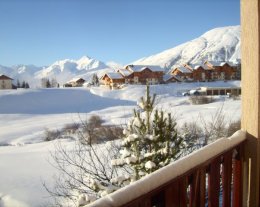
124,72
188,66
4,77
216,63
167,77
183,69
139,68
76,80
198,66
114,75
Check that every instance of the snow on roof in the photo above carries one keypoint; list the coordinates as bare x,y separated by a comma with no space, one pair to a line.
124,72
114,75
219,88
4,77
169,172
197,66
167,77
216,63
183,69
75,80
139,68
188,66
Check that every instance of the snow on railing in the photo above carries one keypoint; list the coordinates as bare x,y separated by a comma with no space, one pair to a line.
215,159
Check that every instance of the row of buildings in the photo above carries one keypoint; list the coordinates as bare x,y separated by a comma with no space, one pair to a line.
140,74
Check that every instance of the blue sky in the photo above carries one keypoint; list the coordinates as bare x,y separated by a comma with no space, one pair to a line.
40,32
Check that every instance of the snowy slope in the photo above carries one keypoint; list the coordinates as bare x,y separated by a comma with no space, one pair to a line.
219,44
31,111
25,114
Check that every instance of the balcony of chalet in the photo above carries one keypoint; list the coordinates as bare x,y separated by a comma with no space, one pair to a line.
224,173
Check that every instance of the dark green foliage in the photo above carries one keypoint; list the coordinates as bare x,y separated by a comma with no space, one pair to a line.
151,140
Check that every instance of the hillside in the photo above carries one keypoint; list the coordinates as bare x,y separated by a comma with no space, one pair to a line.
219,44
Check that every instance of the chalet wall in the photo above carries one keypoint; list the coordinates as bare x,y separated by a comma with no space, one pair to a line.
182,75
106,80
225,72
198,74
145,76
229,72
5,84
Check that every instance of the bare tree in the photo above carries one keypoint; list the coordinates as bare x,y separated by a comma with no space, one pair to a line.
84,169
201,132
214,128
85,172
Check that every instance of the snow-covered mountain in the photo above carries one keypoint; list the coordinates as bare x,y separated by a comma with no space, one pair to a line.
62,70
21,72
219,44
67,69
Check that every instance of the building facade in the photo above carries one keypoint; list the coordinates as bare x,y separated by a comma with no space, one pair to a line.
5,82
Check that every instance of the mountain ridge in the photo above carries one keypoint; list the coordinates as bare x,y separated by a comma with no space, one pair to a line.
218,44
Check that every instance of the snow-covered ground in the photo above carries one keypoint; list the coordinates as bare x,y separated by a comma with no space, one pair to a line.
25,114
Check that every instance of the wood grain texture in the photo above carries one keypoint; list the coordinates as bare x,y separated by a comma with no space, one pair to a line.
250,98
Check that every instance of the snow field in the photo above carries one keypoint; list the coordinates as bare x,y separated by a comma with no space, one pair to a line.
25,114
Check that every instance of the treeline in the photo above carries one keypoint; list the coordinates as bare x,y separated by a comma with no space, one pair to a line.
22,84
47,83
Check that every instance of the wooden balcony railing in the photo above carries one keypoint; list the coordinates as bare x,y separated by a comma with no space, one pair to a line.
211,176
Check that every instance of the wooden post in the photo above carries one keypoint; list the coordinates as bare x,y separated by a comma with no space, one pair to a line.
214,183
226,179
250,57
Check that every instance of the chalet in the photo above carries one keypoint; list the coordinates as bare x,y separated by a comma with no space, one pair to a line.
75,82
5,82
167,78
221,70
112,79
200,73
140,74
209,71
182,73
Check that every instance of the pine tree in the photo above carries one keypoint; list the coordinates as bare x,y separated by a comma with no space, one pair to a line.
23,84
18,84
48,83
53,83
27,85
95,80
150,141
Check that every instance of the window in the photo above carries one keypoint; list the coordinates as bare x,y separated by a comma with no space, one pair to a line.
135,79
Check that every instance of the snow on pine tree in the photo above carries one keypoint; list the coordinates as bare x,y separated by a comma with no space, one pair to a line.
95,80
150,140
